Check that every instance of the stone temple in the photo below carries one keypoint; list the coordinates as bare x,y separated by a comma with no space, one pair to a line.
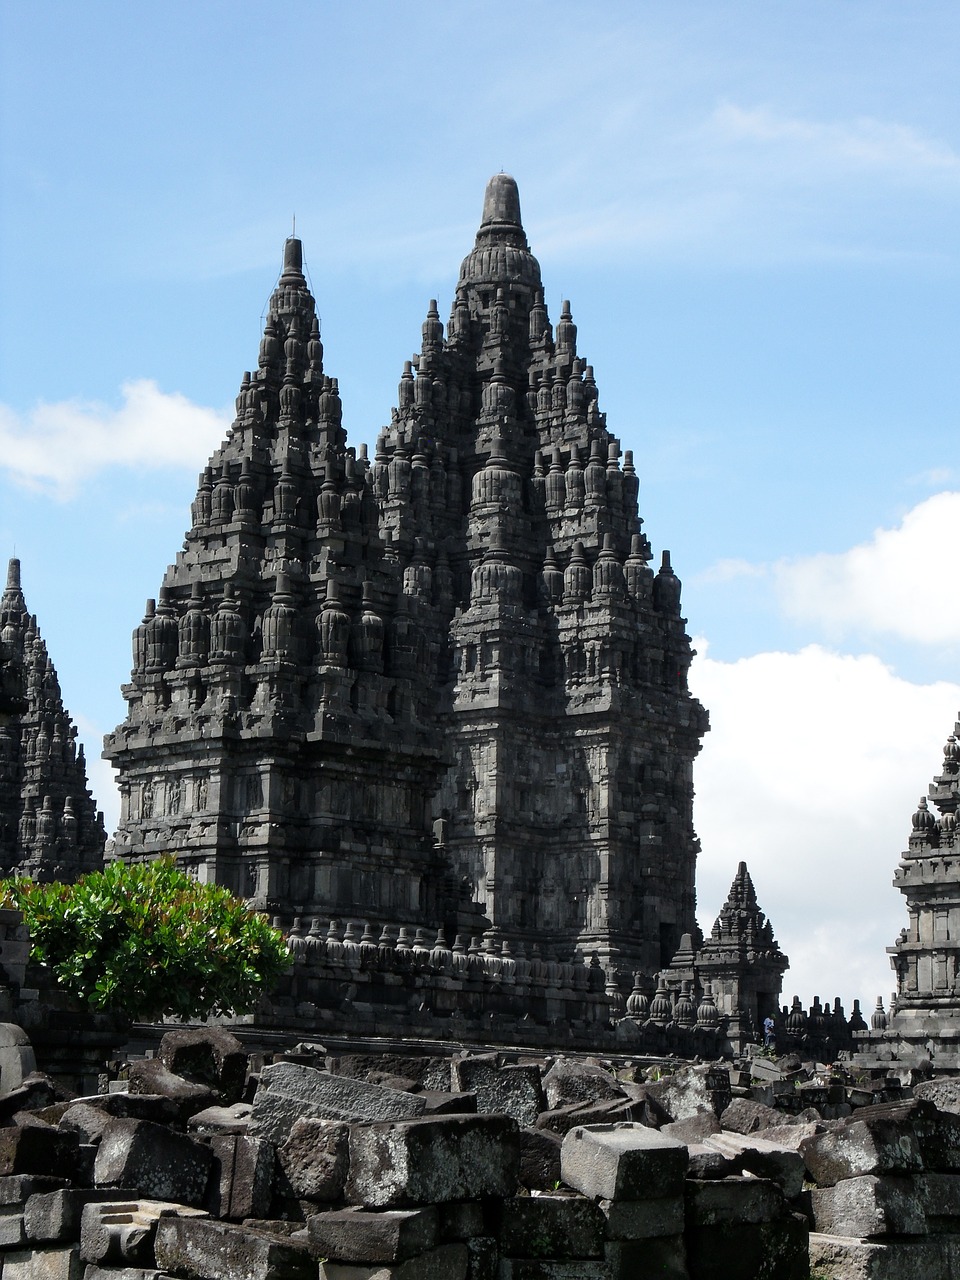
442,685
49,825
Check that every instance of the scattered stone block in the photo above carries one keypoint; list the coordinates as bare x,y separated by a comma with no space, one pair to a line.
460,1220
876,1140
44,1264
448,1262
207,1056
315,1159
357,1235
623,1162
612,1111
448,1104
121,1233
151,1076
18,1188
241,1181
551,1227
87,1122
56,1215
944,1093
870,1206
537,1269
159,1163
643,1219
762,1158
17,1058
569,1083
692,1089
224,1251
940,1195
38,1150
433,1160
12,1228
744,1116
665,1259
728,1201
773,1250
510,1091
845,1258
289,1091
225,1120
694,1129
539,1159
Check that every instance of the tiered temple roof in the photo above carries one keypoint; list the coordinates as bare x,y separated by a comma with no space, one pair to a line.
49,824
436,685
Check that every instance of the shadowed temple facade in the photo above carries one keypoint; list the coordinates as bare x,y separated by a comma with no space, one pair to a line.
440,685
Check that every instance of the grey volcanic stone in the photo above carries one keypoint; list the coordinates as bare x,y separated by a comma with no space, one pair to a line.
151,1076
623,1162
315,1159
763,1159
289,1091
159,1163
121,1232
448,1262
569,1082
241,1181
511,1091
222,1251
891,1138
539,1159
551,1227
429,1161
37,1149
63,1263
732,1201
56,1215
744,1116
207,1056
357,1235
869,1206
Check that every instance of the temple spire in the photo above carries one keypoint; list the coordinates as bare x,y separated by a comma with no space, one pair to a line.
501,202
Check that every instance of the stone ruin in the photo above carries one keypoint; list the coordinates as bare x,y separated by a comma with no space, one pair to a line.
211,1158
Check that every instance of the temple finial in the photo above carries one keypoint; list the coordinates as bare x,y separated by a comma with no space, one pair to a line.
501,201
13,574
292,257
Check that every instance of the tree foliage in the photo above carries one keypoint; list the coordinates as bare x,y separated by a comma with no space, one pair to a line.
147,940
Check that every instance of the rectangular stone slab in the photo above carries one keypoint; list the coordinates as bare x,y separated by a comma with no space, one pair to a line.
289,1091
222,1251
623,1162
414,1162
356,1235
551,1227
870,1206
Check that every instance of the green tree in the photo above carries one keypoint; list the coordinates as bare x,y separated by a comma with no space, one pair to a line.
147,940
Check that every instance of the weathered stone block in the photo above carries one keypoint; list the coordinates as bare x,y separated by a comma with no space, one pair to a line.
890,1138
87,1122
314,1160
690,1090
554,1269
207,1056
643,1219
12,1230
665,1259
744,1116
121,1233
447,1104
241,1181
693,1129
623,1162
569,1083
17,1058
511,1091
460,1220
160,1164
747,1251
869,1206
551,1227
940,1196
56,1215
18,1188
152,1077
289,1091
417,1162
539,1159
356,1235
448,1262
845,1258
38,1150
44,1264
609,1112
729,1201
224,1251
762,1158
225,1120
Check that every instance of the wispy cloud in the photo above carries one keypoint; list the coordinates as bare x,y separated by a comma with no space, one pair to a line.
56,446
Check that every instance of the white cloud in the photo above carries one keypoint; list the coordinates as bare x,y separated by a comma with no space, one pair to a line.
877,586
810,774
57,446
864,143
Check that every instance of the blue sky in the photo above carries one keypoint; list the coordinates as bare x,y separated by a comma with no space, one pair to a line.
754,210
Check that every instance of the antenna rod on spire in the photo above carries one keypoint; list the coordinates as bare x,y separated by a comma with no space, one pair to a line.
294,232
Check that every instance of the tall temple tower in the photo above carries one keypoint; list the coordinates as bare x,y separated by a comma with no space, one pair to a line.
49,825
440,679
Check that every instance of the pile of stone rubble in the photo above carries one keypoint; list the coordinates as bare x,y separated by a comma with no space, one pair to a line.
208,1163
